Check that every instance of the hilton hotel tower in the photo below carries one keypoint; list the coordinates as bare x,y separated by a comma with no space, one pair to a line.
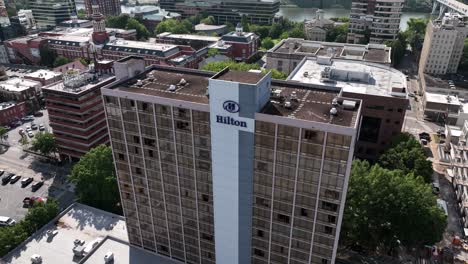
232,167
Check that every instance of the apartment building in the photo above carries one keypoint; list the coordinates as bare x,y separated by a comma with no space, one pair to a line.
374,21
76,112
288,53
443,45
232,167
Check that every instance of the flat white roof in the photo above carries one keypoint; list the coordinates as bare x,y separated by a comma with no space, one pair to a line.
382,78
125,254
141,45
79,222
189,37
442,99
18,84
209,27
45,74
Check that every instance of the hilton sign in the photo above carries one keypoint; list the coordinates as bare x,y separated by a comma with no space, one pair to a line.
231,107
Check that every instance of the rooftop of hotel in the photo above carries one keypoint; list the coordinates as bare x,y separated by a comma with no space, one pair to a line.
78,222
75,82
351,76
288,99
370,52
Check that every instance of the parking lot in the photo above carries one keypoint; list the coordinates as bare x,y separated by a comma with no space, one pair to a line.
11,198
13,159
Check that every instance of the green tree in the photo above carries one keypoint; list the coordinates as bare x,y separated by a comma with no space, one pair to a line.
60,60
297,32
81,14
84,61
340,19
261,31
407,155
24,141
95,179
464,60
385,208
338,33
120,21
142,32
208,21
276,30
212,52
3,132
398,48
245,23
415,32
174,26
267,43
37,216
242,66
44,142
47,56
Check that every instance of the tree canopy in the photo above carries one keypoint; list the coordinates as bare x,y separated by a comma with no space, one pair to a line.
47,55
3,131
44,142
37,216
241,66
95,179
117,21
142,32
81,14
210,20
267,43
338,33
60,60
385,207
174,26
407,154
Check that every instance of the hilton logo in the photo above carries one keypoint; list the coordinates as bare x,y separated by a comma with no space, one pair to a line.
231,107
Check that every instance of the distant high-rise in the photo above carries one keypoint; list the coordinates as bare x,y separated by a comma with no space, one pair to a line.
374,20
49,13
106,7
443,45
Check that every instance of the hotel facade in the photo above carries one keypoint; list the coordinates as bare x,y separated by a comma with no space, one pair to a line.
230,167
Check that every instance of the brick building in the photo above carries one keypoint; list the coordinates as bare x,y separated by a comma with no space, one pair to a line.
11,111
244,44
76,112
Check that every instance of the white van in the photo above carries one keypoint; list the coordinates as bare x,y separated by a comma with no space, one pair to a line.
6,221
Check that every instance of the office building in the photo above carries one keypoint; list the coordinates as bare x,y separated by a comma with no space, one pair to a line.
443,45
231,167
49,13
256,11
288,53
374,21
381,88
76,112
106,7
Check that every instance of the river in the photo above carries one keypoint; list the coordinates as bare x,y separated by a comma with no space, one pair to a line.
299,14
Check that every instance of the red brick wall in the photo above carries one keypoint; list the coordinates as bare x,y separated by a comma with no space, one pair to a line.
13,113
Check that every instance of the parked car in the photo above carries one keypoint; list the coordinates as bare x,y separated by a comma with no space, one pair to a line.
34,126
2,172
41,127
6,221
26,181
7,178
30,134
14,179
21,131
28,128
37,185
37,114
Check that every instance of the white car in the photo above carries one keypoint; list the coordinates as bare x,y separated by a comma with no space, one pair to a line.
30,134
41,127
109,257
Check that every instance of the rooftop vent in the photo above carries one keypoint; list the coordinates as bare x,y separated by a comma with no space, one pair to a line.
171,88
334,111
294,96
306,73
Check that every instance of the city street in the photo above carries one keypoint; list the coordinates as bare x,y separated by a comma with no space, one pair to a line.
14,159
